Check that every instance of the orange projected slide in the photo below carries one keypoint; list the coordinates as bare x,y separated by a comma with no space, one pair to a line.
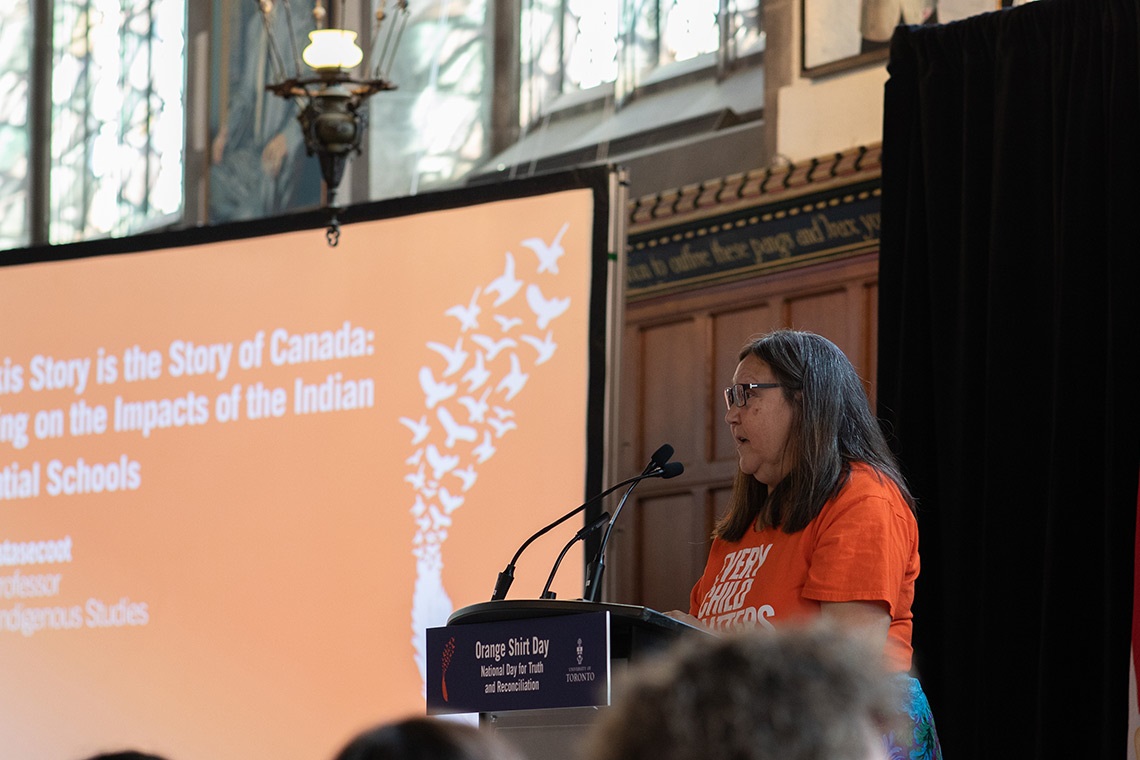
239,480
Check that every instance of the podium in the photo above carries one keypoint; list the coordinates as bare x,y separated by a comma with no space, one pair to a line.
538,671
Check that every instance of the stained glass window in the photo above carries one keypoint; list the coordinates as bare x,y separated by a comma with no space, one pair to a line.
573,46
116,103
433,129
15,42
117,116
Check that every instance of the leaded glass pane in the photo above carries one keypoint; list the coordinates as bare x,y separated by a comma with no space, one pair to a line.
433,129
15,47
690,29
622,42
117,116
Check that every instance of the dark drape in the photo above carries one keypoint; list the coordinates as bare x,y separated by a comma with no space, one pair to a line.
1009,376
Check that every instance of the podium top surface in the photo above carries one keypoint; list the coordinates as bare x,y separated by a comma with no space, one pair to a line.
521,609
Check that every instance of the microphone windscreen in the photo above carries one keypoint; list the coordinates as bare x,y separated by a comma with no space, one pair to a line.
672,470
662,455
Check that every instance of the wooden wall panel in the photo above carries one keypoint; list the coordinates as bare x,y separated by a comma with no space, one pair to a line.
671,526
731,330
673,358
679,353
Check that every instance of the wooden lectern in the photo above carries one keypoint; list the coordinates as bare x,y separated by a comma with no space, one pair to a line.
538,670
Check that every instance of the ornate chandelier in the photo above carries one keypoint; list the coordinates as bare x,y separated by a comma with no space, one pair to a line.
330,100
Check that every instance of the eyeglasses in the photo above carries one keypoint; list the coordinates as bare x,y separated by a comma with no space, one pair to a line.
737,395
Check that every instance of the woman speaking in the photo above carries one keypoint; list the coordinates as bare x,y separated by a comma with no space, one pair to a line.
820,523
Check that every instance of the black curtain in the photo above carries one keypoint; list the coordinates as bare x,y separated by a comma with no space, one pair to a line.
1009,369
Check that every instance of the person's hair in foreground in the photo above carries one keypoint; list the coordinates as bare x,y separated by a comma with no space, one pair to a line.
833,427
128,754
420,738
794,694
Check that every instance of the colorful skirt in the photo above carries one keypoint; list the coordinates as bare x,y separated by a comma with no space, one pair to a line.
920,742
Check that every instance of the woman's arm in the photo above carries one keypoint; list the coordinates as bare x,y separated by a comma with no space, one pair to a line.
869,621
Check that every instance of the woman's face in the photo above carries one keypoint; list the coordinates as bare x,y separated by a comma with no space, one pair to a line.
762,426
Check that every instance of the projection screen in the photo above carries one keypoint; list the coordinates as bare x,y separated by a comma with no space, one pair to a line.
241,475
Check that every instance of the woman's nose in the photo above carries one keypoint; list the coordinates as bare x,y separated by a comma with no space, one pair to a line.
731,413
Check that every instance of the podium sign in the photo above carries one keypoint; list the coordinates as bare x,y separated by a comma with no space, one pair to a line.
526,664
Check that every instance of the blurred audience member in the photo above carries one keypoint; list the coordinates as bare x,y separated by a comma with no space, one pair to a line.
426,739
793,694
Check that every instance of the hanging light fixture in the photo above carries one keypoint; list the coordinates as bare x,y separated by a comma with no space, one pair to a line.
330,100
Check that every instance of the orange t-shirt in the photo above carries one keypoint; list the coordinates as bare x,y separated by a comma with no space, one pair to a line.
863,546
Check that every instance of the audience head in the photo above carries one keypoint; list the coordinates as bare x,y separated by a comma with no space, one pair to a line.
426,739
128,754
796,694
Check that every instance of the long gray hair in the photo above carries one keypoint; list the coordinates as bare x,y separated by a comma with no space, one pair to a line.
832,427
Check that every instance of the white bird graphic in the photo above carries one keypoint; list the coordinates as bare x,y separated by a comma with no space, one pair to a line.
548,255
501,427
514,380
434,392
545,346
493,347
450,503
506,284
477,375
438,519
417,479
502,412
468,315
476,408
415,458
455,431
484,450
419,429
455,356
543,308
419,507
467,475
440,464
506,323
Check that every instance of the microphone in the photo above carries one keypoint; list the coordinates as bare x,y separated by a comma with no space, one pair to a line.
598,567
507,577
596,523
659,458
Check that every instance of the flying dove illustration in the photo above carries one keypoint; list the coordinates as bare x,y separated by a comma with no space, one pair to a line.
548,255
506,284
492,346
467,475
476,408
545,346
455,355
514,380
440,464
545,309
420,428
455,431
484,450
416,479
506,323
468,315
477,375
501,427
450,503
434,392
